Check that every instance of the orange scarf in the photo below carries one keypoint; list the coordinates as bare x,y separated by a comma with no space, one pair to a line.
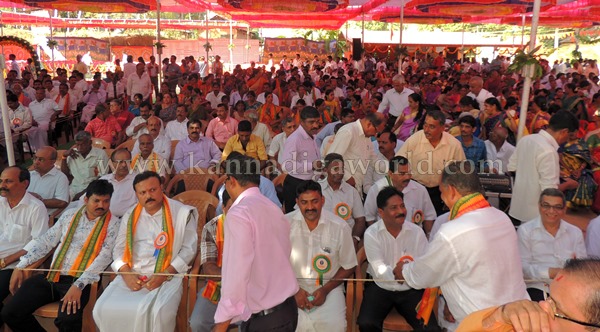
165,253
153,159
65,109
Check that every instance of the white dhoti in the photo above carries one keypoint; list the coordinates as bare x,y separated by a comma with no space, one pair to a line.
38,136
330,317
121,309
87,113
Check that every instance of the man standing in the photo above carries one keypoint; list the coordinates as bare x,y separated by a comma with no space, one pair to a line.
129,68
84,163
84,239
341,198
301,156
80,66
146,296
428,151
419,209
177,130
43,111
322,251
195,150
347,116
162,145
139,82
221,128
469,279
537,166
547,242
383,241
396,100
152,69
48,183
258,284
22,218
14,65
172,74
354,143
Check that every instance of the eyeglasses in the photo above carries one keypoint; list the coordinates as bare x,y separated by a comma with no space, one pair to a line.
555,313
547,206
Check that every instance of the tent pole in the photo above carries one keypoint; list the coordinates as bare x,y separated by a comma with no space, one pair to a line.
363,31
207,61
52,38
10,152
522,30
230,45
401,30
462,47
158,49
528,70
247,43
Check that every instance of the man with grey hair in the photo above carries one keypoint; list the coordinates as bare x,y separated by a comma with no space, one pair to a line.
477,91
84,163
396,100
547,242
258,128
572,304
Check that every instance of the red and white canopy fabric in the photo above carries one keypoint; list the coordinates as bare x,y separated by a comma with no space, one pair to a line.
328,14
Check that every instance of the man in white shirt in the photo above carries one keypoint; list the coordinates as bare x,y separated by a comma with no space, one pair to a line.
19,115
152,69
341,198
146,159
14,65
48,183
162,144
139,124
498,150
146,296
129,68
547,242
592,237
43,111
74,91
419,209
477,91
177,130
388,243
259,129
215,96
275,151
22,218
469,279
139,82
74,253
261,97
322,251
301,95
84,163
94,97
536,163
353,141
386,146
396,100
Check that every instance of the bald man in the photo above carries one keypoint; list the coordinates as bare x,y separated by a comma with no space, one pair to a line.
48,183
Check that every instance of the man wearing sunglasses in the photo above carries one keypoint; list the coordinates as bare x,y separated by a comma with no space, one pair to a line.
572,304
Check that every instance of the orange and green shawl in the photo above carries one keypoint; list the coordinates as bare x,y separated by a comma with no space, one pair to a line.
465,204
212,291
165,254
153,159
90,250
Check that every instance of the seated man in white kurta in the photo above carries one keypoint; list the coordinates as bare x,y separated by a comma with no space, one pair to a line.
322,256
149,253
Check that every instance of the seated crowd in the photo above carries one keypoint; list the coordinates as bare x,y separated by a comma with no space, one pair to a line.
357,161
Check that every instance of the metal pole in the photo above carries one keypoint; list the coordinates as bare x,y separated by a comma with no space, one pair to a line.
401,30
10,152
556,42
207,62
522,30
158,49
462,47
363,31
528,70
247,43
2,31
52,38
230,45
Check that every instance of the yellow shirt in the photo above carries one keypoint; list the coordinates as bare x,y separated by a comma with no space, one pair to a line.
427,162
255,147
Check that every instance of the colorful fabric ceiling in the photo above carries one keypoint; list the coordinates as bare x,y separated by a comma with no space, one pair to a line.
96,6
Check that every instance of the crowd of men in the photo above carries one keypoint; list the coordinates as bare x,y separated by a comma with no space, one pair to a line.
376,160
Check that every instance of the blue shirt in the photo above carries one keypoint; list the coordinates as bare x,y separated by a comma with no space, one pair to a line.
476,152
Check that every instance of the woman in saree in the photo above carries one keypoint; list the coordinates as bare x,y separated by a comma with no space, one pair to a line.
593,142
576,170
538,117
270,114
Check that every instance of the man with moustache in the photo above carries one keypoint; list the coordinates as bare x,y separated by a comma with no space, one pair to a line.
139,124
301,156
322,250
22,218
386,146
177,130
388,242
84,163
195,150
420,210
162,144
147,159
84,238
396,100
469,279
48,183
221,128
157,239
43,112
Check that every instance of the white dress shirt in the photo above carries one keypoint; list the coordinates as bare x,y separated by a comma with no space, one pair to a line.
176,131
540,250
26,221
592,237
345,199
139,84
262,131
136,121
481,97
52,185
384,251
499,159
86,170
214,99
276,147
42,111
536,162
396,101
123,197
162,146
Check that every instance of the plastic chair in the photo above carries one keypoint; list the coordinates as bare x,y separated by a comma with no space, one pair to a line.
128,144
200,179
100,143
173,146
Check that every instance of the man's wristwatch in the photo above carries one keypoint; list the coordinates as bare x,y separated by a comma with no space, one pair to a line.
79,285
